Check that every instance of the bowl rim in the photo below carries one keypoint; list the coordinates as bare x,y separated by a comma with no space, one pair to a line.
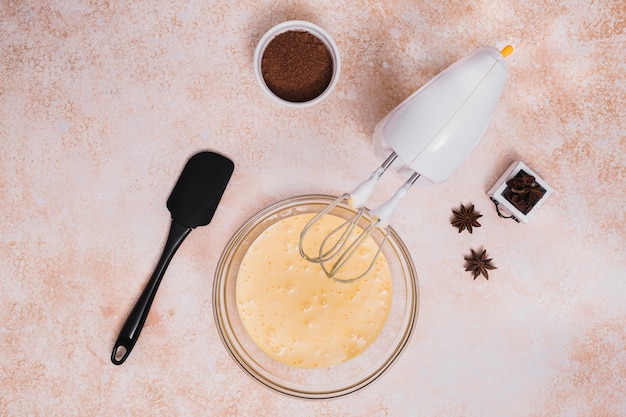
226,332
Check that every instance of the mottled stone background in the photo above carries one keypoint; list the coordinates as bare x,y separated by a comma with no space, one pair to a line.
101,103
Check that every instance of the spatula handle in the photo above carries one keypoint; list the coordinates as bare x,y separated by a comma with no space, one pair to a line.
134,323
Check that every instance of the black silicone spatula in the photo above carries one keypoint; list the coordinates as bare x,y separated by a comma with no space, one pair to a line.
192,203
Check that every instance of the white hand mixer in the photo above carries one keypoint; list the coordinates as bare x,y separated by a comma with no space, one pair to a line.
426,138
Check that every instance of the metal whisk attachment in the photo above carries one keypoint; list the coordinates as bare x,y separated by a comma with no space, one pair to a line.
344,242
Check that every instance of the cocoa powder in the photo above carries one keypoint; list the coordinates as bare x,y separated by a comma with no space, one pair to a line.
297,66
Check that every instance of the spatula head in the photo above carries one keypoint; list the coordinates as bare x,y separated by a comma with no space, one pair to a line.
199,189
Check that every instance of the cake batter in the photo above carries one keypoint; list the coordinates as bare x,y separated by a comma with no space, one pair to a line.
295,313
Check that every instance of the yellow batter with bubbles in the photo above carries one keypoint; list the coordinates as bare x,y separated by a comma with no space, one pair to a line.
295,313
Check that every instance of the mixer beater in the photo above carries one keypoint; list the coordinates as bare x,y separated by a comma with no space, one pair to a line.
340,245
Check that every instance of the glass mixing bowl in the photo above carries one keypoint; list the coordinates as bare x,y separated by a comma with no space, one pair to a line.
318,383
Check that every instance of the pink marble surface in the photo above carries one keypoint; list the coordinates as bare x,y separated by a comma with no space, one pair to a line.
101,103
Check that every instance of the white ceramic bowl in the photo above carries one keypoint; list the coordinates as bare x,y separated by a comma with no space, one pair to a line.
313,29
322,383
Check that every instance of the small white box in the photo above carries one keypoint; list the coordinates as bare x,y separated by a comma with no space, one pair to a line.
501,193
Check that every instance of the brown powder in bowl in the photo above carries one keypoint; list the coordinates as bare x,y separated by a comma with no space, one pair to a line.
297,66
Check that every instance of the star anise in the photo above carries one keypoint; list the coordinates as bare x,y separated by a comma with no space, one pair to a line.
478,264
466,218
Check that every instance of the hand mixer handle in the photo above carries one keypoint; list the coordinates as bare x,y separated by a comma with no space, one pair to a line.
435,129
